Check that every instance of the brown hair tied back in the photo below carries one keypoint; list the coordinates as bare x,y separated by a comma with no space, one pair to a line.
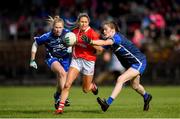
83,15
112,25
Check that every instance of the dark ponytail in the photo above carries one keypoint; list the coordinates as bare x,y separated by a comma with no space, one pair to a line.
116,26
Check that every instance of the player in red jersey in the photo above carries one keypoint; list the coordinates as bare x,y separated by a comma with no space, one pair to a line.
84,57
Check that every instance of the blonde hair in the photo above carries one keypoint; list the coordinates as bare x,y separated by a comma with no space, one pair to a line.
52,21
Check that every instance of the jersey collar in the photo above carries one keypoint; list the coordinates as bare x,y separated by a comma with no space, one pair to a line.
86,29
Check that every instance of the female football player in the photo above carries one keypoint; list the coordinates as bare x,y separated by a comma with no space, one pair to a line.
58,54
129,56
83,60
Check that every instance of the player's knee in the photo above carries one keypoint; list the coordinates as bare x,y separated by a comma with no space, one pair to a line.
120,80
61,74
67,86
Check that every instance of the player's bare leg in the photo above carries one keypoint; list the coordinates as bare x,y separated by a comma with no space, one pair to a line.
126,76
89,85
72,75
135,83
61,79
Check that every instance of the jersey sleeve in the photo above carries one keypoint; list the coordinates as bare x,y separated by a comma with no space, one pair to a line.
106,47
42,39
65,31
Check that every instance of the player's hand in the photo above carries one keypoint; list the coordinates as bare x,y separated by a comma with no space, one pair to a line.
33,64
86,39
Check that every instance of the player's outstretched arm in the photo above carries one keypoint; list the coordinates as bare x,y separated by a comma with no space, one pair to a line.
33,55
97,42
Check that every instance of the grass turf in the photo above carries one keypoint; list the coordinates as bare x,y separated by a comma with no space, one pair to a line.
38,102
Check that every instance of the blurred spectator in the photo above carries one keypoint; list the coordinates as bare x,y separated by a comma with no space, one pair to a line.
145,23
138,38
66,3
175,37
13,31
157,19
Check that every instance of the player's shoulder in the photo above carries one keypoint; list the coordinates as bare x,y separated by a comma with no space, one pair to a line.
66,30
45,35
117,38
119,35
93,33
91,30
122,36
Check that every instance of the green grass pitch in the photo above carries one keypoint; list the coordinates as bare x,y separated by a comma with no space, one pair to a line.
38,102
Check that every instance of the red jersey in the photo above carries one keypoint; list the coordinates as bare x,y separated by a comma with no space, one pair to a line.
82,49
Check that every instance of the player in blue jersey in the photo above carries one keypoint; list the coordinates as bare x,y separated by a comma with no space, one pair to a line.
130,57
58,54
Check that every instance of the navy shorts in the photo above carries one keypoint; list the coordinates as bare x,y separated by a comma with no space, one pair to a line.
140,66
65,62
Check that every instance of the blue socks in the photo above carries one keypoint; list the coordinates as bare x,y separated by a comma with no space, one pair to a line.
145,96
109,100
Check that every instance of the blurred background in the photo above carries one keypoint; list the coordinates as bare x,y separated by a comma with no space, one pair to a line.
152,25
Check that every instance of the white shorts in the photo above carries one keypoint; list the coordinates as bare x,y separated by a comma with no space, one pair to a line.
84,66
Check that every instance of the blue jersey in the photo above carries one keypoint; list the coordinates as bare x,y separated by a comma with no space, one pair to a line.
127,53
55,45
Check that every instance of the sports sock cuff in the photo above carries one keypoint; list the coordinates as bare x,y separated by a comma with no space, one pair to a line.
58,93
61,104
109,100
145,96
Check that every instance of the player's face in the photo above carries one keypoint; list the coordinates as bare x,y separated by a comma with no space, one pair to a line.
108,32
57,29
83,23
